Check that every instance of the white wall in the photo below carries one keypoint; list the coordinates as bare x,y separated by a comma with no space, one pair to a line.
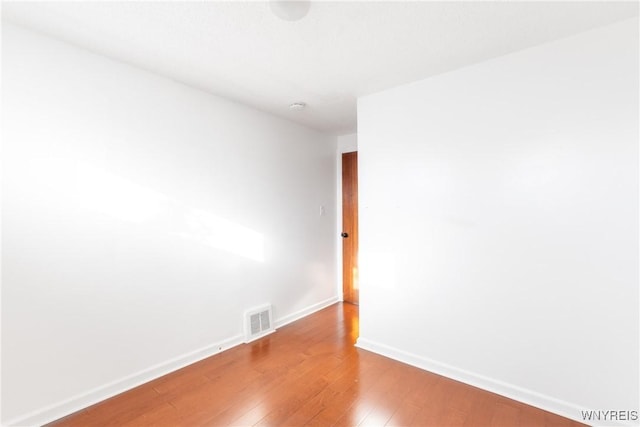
499,222
347,143
140,219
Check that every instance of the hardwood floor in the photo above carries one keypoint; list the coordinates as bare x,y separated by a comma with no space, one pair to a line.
308,373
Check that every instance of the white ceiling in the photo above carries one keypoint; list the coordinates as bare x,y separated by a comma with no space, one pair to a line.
339,51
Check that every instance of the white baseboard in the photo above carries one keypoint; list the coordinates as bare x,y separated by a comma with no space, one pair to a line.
511,391
305,312
98,394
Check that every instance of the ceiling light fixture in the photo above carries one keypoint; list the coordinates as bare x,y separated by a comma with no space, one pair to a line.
290,10
297,106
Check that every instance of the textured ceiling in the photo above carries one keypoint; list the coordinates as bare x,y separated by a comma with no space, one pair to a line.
339,51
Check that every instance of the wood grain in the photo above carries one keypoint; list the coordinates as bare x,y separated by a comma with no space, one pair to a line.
350,289
308,373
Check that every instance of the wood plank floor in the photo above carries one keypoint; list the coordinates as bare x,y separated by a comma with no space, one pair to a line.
308,373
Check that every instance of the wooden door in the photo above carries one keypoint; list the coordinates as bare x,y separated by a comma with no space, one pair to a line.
350,227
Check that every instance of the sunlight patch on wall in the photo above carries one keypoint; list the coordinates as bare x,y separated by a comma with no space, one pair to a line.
224,234
86,187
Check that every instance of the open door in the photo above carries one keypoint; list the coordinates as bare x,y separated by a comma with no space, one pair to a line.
350,227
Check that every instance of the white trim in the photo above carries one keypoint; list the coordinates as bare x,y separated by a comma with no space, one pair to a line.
98,394
305,312
338,241
257,337
539,400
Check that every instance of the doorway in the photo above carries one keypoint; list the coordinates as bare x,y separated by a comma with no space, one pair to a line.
350,288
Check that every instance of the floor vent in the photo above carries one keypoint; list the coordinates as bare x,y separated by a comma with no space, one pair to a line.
258,323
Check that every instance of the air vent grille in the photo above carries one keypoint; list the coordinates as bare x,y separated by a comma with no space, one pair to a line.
258,323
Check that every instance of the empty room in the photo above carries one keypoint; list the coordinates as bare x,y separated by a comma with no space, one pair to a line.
289,213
